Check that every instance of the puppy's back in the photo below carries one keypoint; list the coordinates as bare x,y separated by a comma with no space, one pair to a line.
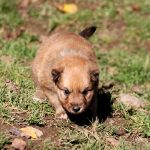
62,44
58,46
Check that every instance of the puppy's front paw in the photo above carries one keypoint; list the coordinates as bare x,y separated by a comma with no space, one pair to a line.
62,116
36,99
39,96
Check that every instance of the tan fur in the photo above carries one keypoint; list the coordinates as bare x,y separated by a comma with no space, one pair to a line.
73,56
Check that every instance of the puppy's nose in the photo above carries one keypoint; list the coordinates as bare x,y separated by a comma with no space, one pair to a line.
76,108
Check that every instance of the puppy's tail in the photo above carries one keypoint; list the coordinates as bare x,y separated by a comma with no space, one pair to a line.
87,32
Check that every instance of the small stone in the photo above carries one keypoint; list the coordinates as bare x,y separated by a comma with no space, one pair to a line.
131,101
19,144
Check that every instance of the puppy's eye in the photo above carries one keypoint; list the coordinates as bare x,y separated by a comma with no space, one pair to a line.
66,92
85,92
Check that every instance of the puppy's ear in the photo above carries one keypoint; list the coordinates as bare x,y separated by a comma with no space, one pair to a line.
56,73
87,32
94,75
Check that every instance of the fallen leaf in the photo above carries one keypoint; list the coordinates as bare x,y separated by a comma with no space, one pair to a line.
38,132
29,131
15,131
112,141
32,132
19,144
131,101
67,8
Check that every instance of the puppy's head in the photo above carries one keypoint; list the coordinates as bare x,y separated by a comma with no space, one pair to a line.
76,85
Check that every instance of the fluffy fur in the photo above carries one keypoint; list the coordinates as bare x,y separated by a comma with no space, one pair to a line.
65,71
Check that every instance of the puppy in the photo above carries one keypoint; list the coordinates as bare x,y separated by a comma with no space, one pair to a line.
66,72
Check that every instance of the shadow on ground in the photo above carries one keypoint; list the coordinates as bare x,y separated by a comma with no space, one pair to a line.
104,110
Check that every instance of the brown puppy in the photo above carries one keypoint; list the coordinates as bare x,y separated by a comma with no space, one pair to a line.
65,71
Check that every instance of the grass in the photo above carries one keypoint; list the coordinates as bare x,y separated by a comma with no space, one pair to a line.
3,140
122,49
9,14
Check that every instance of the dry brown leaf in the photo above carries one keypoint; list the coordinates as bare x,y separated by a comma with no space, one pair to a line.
131,101
19,144
67,8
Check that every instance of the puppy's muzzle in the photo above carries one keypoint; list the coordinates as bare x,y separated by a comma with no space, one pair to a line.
76,108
